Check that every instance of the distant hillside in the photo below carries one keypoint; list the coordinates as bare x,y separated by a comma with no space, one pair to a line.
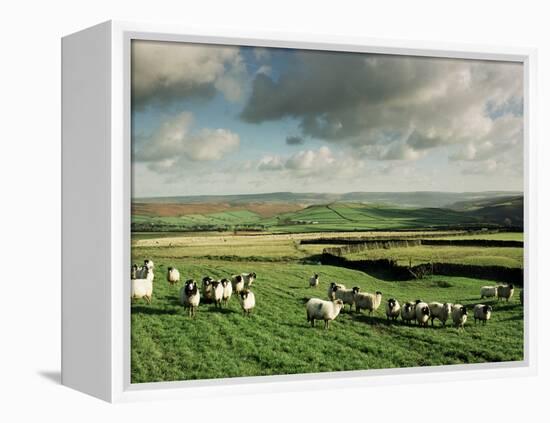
403,199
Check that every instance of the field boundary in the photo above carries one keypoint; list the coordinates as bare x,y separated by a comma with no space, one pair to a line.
390,268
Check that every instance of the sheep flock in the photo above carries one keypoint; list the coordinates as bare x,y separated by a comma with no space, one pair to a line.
412,312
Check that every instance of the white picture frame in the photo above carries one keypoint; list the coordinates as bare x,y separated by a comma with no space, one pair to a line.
96,184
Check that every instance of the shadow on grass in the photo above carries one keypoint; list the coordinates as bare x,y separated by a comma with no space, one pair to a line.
151,310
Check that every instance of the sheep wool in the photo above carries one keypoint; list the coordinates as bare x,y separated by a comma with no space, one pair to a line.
227,290
422,311
346,295
248,301
488,292
217,293
173,276
317,309
505,291
459,315
482,313
367,301
440,312
408,312
190,296
332,288
314,281
392,309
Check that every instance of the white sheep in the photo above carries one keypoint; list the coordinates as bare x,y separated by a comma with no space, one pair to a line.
482,313
392,309
488,292
422,311
505,291
173,276
227,290
190,296
440,311
217,293
248,301
408,312
314,281
459,315
249,279
237,281
207,289
346,295
317,309
331,289
143,287
367,301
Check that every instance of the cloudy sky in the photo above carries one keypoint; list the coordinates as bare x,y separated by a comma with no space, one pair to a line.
230,120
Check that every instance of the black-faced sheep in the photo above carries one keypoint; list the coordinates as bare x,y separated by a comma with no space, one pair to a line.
227,291
331,289
237,281
217,293
459,315
207,289
134,271
317,309
408,312
505,291
482,313
248,301
422,311
440,311
314,281
249,279
392,309
367,301
190,296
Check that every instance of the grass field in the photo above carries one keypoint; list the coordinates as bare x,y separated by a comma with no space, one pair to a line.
167,345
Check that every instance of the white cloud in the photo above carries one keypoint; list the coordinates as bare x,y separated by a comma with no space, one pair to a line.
175,142
166,71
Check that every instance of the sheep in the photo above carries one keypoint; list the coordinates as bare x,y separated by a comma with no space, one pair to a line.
227,291
249,279
173,276
248,301
146,269
367,301
392,309
440,311
482,313
331,289
488,292
190,296
459,315
408,312
346,295
314,281
521,296
207,289
505,291
422,312
134,271
317,309
237,281
217,293
143,287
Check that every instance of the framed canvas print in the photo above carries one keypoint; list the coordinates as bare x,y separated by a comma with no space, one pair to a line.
269,212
